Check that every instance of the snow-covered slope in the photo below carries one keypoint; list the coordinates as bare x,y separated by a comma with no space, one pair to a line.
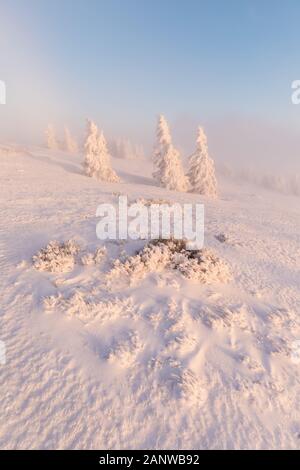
153,362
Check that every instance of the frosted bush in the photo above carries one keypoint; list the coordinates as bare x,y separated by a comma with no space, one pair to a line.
52,301
186,385
182,342
90,259
201,265
124,350
56,257
179,382
151,258
220,316
86,308
87,259
149,202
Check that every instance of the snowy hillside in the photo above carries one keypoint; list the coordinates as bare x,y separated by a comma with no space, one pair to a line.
97,357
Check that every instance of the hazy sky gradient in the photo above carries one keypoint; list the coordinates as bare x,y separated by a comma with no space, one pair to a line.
227,64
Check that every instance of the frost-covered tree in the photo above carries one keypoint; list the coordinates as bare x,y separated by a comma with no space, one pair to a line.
168,170
125,149
97,160
70,144
105,173
139,151
201,172
91,158
51,138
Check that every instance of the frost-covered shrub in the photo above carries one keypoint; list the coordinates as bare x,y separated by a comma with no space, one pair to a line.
185,384
200,265
56,257
181,341
224,316
149,202
89,259
124,350
179,382
86,307
203,266
150,258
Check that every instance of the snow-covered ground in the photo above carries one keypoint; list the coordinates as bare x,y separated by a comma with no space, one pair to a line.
154,361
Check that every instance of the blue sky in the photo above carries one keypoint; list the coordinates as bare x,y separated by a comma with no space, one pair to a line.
122,62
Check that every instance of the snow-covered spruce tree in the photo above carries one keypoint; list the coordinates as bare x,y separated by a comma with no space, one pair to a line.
51,138
91,159
70,144
105,173
124,148
168,170
201,172
139,152
97,161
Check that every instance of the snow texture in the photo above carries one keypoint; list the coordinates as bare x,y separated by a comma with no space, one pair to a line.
155,357
56,257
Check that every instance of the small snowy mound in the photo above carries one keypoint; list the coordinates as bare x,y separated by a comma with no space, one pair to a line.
56,257
228,239
178,382
199,265
124,351
221,237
